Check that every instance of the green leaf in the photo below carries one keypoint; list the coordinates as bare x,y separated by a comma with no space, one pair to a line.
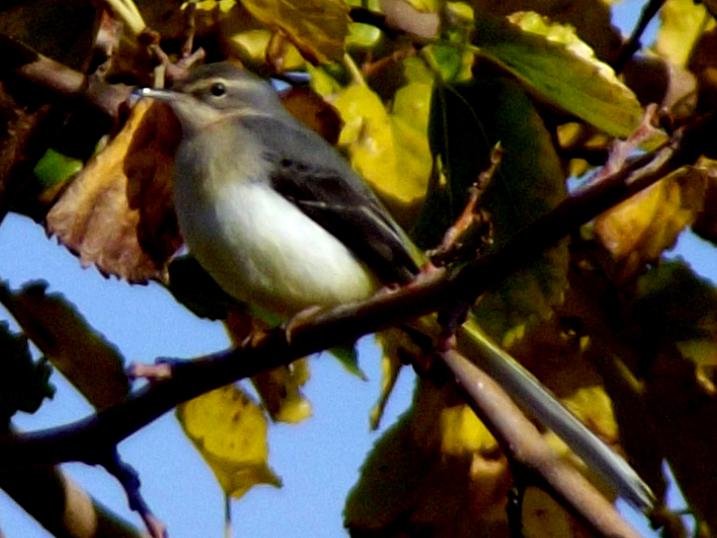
54,168
560,68
348,357
466,122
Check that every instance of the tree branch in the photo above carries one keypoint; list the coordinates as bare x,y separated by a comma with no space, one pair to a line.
525,445
85,439
60,505
80,440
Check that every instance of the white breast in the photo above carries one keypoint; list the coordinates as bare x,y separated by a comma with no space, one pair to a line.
263,250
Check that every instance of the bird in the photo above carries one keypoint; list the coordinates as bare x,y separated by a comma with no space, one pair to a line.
282,222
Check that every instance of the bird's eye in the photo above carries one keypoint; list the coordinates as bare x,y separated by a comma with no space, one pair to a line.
218,89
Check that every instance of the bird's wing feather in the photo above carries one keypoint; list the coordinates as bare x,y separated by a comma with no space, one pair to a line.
312,174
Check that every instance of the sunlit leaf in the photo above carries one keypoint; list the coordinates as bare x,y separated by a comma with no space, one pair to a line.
462,432
639,229
409,484
280,389
682,22
362,36
317,28
395,346
281,393
552,61
230,432
388,148
84,356
592,19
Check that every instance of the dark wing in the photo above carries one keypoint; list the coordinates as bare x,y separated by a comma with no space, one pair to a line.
312,174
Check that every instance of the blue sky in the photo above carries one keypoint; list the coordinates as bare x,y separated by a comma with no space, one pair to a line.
317,460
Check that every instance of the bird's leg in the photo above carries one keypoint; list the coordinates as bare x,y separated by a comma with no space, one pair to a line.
299,319
161,370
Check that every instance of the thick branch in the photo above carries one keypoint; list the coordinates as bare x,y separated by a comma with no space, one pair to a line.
18,60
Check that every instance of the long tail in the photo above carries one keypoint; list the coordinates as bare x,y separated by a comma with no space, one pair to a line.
534,398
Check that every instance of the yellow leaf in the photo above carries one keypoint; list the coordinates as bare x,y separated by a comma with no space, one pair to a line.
211,5
683,21
394,344
278,388
230,432
280,391
593,407
462,432
317,27
389,150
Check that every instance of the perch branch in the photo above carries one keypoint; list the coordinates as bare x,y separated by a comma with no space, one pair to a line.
84,439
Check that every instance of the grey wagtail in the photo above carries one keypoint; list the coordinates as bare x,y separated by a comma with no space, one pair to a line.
282,222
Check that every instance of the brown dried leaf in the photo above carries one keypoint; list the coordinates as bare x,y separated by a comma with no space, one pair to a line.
308,107
117,213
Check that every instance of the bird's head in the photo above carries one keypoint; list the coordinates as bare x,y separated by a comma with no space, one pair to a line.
214,91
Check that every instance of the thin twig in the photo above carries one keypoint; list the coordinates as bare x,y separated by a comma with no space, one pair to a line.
633,44
129,479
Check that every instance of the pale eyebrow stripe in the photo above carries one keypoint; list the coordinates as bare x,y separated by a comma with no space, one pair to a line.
233,83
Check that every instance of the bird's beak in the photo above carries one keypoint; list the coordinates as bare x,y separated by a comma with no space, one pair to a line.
154,93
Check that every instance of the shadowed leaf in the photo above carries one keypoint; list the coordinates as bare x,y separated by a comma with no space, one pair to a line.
24,383
91,363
